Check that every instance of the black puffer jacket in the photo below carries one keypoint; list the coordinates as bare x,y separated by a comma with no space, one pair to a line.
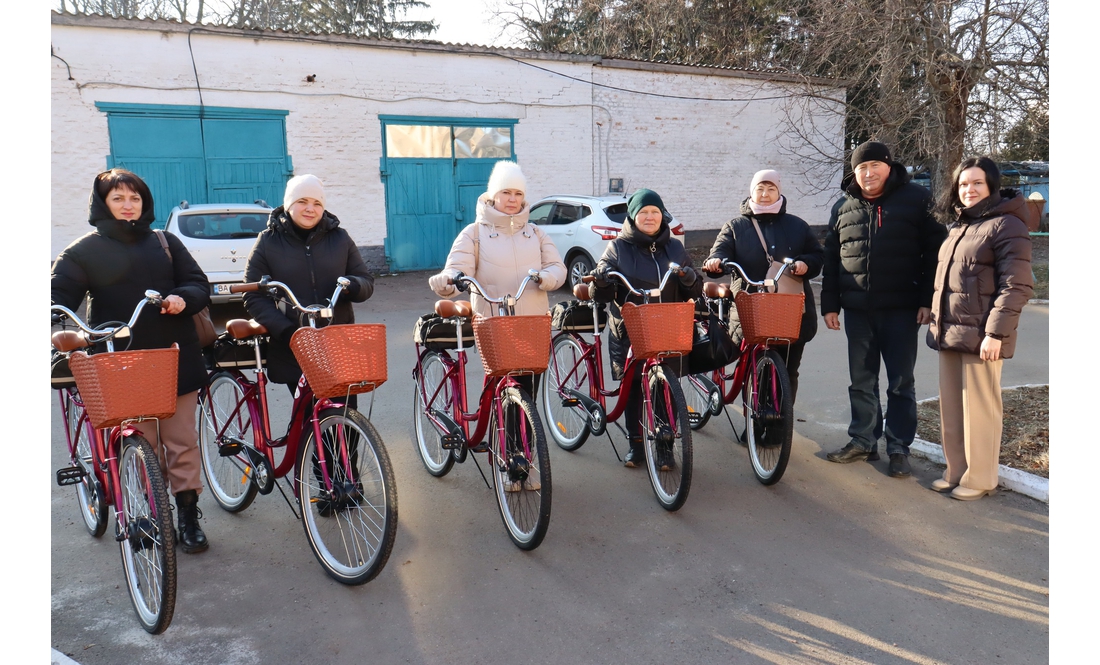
644,260
788,237
310,268
881,254
115,264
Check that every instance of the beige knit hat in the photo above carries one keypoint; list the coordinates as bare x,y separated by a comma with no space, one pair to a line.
302,186
506,175
767,175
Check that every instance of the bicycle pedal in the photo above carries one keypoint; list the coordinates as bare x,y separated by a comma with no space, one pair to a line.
70,475
570,402
452,441
482,447
694,416
230,449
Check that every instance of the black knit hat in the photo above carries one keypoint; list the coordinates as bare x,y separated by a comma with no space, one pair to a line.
871,151
641,199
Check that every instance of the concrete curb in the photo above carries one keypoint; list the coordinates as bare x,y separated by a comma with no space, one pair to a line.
1023,482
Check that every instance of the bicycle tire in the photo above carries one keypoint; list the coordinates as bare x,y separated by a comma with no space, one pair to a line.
148,546
568,424
90,496
769,417
351,532
437,460
524,507
697,399
667,435
229,478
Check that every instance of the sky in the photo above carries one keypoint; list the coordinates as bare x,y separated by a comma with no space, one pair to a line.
463,21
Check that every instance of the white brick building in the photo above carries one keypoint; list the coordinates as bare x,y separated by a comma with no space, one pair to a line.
575,121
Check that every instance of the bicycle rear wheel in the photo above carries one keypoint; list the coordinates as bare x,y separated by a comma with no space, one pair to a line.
225,425
148,543
351,529
699,395
568,424
667,437
429,438
90,497
769,417
520,464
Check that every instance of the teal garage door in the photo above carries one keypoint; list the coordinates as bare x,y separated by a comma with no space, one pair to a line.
207,155
433,170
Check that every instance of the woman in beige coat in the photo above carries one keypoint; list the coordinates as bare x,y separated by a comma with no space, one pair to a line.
500,247
983,280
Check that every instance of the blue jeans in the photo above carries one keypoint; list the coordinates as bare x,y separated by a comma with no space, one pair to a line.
889,334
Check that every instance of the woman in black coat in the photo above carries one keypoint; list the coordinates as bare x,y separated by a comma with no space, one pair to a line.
641,252
787,237
304,248
113,266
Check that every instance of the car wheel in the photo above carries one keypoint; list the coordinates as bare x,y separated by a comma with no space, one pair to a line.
579,266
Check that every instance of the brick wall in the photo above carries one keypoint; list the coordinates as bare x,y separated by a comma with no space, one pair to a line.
571,136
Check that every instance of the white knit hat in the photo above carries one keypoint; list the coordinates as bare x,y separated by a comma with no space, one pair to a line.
302,186
767,175
506,175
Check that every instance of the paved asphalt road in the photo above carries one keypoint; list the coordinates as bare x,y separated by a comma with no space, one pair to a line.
835,564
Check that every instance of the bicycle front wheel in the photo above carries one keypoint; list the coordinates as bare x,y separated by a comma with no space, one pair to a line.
148,540
769,417
568,424
90,498
432,393
699,393
520,463
667,437
350,528
225,431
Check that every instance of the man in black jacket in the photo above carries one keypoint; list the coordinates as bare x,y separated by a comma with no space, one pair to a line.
880,261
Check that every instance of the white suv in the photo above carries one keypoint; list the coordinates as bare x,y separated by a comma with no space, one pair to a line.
581,227
220,236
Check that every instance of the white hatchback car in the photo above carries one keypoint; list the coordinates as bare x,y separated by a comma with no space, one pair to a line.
220,236
581,227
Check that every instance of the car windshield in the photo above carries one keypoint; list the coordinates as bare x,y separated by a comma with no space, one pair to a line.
616,212
222,226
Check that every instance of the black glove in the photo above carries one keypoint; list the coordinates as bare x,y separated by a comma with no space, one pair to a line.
600,276
687,276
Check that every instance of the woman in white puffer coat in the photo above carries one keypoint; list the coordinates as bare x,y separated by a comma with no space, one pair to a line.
500,247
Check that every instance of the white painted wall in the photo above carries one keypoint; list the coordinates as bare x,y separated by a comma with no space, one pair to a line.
698,155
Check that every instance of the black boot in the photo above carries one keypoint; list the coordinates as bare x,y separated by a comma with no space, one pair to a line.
636,455
191,537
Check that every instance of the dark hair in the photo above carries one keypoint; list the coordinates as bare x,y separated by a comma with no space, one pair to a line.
110,180
949,199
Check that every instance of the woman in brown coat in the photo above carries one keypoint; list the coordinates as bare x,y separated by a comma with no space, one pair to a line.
983,281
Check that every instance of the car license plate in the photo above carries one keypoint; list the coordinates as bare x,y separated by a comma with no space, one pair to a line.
220,289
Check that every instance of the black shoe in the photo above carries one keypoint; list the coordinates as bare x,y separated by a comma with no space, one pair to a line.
191,538
848,454
899,465
635,457
873,455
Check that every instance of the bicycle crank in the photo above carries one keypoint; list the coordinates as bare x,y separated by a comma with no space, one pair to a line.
259,471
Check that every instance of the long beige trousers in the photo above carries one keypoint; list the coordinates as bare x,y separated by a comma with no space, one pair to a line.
178,445
971,419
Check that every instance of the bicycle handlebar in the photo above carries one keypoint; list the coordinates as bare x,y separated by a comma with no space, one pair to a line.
729,266
273,287
673,268
463,282
102,334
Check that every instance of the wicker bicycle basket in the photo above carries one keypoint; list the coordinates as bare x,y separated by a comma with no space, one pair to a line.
124,385
513,344
342,359
770,316
659,329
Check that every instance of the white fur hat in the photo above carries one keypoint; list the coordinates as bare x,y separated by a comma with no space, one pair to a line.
302,186
506,175
767,175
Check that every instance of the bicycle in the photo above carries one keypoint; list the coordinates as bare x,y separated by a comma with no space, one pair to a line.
574,396
759,374
518,458
111,464
342,481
